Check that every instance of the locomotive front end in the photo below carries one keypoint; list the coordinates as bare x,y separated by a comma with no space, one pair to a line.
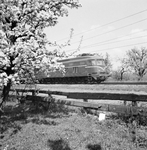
97,69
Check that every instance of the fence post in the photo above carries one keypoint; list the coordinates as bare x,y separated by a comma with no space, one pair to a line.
33,92
17,93
50,98
125,103
85,109
85,100
134,103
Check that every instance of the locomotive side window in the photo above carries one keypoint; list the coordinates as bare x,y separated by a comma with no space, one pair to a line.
90,63
75,69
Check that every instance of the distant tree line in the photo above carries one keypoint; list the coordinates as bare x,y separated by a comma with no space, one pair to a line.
134,64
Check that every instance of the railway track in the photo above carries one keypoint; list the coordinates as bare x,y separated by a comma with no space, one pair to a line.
124,82
110,83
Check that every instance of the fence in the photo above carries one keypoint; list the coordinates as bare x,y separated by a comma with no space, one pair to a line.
134,97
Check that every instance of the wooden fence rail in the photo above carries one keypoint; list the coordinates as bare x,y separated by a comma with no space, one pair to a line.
134,97
103,95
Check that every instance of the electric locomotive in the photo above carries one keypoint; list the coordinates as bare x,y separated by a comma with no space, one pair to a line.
82,69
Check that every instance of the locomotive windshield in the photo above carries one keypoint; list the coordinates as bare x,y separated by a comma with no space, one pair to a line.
100,62
96,62
93,62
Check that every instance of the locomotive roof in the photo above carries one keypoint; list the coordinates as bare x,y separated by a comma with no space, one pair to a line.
80,59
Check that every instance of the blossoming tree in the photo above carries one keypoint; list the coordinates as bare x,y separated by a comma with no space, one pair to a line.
137,61
23,43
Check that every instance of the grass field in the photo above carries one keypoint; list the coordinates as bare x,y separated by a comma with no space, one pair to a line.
26,127
89,87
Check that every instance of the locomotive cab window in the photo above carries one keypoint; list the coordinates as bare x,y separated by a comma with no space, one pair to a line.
91,63
100,62
97,62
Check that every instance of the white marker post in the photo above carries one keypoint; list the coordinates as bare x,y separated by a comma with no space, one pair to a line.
102,116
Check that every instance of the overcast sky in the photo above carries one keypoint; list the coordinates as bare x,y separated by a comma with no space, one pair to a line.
112,26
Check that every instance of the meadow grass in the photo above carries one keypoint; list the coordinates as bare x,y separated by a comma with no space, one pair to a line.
26,127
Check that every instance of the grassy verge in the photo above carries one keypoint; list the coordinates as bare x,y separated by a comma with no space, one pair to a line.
27,127
94,87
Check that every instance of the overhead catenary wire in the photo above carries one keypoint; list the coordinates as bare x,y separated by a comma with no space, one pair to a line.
112,30
106,24
114,42
118,47
119,41
109,41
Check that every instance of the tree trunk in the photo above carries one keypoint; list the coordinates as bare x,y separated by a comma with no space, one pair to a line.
5,93
121,76
140,77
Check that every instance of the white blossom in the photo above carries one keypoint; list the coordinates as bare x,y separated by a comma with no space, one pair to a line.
23,40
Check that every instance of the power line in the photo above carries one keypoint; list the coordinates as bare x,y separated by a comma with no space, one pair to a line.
107,23
114,42
112,30
119,47
108,41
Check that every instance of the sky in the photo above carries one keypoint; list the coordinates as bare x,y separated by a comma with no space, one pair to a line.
103,26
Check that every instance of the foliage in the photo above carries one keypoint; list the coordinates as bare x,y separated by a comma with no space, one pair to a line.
122,71
118,75
108,63
137,60
23,42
